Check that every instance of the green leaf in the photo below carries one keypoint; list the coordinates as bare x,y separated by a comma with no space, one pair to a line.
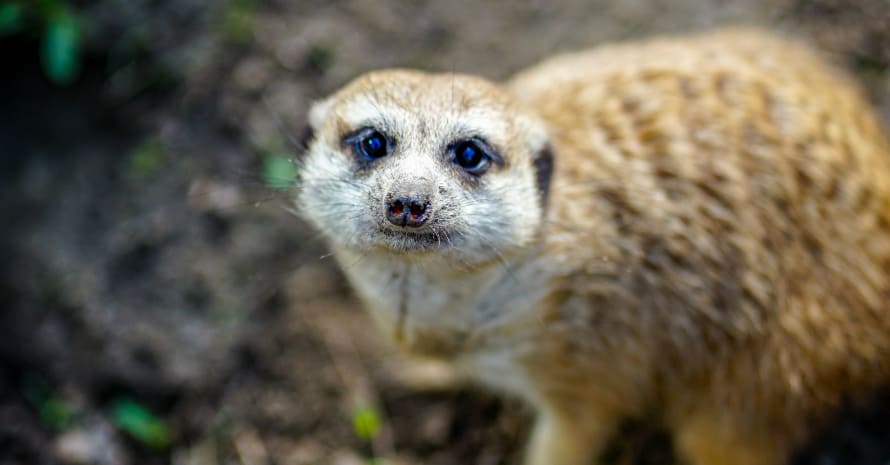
137,421
238,21
146,159
11,15
61,47
366,422
279,172
55,413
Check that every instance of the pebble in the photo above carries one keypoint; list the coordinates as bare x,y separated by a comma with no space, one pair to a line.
95,444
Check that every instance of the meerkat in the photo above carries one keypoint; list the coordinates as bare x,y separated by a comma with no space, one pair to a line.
689,229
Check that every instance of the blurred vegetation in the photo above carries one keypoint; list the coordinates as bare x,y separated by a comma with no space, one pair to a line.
279,171
55,413
146,159
58,414
237,21
140,45
141,424
366,422
58,28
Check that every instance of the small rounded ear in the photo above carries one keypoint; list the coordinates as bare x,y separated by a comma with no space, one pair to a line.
543,165
318,113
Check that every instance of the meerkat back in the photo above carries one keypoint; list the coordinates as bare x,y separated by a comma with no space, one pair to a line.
721,208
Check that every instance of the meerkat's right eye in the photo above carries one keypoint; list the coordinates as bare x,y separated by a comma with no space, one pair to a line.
473,155
370,144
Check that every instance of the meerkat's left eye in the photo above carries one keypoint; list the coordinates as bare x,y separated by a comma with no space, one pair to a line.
370,144
472,156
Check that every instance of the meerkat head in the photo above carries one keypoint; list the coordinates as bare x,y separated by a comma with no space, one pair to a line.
416,164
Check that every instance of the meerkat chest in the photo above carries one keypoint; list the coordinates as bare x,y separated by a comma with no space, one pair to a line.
405,297
479,322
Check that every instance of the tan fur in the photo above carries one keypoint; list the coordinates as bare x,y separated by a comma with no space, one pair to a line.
715,250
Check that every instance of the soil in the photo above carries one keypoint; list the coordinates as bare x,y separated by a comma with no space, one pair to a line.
143,258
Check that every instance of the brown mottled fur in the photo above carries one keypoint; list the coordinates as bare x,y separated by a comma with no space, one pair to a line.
715,251
734,195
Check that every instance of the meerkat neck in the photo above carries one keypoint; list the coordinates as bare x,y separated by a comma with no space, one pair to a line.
435,309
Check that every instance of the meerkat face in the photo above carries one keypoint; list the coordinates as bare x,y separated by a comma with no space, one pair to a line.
417,164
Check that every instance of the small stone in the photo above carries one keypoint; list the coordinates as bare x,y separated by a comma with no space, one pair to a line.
205,194
435,423
95,445
250,447
422,375
305,452
75,447
345,457
202,453
252,74
291,52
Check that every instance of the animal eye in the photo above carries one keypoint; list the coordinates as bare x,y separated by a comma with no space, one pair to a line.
471,157
371,145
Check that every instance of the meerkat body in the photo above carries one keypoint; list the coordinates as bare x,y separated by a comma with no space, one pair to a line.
695,230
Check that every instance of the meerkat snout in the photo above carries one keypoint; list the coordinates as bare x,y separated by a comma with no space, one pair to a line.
408,204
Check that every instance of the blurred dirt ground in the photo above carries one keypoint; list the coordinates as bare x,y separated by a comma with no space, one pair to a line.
143,262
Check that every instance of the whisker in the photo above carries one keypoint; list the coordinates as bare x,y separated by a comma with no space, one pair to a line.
296,144
499,256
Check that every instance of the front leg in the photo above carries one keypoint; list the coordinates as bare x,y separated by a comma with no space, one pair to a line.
712,438
560,439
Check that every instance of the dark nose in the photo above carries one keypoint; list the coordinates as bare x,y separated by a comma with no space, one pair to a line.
407,210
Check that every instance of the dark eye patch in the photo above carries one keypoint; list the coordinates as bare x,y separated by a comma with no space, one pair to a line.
543,164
